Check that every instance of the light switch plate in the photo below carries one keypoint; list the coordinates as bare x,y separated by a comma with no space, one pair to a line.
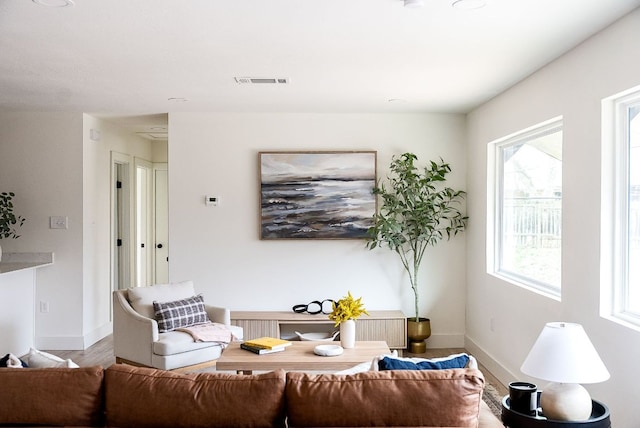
58,222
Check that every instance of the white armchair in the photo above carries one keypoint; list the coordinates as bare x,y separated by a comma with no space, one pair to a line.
137,341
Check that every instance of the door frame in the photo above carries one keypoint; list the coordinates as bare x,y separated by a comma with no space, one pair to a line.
121,274
158,166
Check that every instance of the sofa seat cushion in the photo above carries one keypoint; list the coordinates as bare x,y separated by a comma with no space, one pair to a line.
176,342
142,397
52,396
425,398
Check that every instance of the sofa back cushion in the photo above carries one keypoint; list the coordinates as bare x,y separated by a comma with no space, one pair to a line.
51,396
142,298
142,397
440,398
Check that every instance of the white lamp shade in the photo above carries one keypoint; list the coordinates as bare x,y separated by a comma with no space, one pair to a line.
563,353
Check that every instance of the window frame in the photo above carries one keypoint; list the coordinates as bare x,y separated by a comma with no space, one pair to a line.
614,231
495,191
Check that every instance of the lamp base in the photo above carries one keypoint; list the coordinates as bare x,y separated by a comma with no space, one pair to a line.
566,402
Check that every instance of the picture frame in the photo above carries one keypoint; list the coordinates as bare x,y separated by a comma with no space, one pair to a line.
317,194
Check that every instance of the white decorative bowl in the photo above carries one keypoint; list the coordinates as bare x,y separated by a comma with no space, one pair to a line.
317,337
328,350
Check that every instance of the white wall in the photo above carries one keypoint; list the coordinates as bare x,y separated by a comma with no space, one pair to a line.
41,161
159,152
219,248
48,160
573,86
97,220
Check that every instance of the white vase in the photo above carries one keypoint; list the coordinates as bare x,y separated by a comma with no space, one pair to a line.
348,334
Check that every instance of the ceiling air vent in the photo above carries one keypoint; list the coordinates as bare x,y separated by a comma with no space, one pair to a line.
261,80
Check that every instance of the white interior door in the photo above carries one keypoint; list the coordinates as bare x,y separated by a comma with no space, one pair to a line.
143,223
161,224
120,221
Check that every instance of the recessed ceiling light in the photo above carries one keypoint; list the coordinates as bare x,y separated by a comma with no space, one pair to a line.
55,3
177,100
469,4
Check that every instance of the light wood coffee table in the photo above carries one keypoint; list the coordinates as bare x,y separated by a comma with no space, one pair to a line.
298,357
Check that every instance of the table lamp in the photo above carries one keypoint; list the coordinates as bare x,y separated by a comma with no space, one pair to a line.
564,355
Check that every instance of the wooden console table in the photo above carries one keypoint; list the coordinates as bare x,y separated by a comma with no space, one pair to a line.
390,326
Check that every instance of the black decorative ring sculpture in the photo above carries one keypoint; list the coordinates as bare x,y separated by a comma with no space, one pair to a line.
314,308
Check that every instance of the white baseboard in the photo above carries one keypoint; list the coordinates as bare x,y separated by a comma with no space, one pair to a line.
60,343
98,334
502,374
74,343
438,341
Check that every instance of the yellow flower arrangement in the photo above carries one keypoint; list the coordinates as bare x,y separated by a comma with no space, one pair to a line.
347,308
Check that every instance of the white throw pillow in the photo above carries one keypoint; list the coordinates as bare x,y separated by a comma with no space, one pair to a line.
142,298
360,368
41,359
366,366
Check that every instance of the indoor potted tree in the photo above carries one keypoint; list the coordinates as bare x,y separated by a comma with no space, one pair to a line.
9,222
417,211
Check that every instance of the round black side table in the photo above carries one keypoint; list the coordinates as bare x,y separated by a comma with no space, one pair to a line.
511,419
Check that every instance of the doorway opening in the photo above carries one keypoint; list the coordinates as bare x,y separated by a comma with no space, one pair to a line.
140,228
120,221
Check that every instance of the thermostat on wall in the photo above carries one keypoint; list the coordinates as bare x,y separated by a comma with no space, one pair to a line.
211,201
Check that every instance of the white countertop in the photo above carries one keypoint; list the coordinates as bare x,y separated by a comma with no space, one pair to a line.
12,262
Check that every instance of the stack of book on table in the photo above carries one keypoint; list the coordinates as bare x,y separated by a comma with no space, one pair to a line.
265,345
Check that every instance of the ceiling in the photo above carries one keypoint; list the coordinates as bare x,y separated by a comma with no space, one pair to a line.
133,61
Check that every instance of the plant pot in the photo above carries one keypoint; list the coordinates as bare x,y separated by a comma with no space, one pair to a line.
417,332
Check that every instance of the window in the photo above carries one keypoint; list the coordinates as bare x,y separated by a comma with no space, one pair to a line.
620,236
526,210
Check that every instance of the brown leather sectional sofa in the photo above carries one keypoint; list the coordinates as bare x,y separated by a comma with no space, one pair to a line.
126,396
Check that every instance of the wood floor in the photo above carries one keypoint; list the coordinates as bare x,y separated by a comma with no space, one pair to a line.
101,354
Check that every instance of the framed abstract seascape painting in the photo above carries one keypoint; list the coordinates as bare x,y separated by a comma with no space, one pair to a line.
317,195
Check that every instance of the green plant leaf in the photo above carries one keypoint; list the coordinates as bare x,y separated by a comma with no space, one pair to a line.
416,212
9,222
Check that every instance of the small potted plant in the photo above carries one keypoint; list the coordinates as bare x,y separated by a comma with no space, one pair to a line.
345,312
9,222
417,211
